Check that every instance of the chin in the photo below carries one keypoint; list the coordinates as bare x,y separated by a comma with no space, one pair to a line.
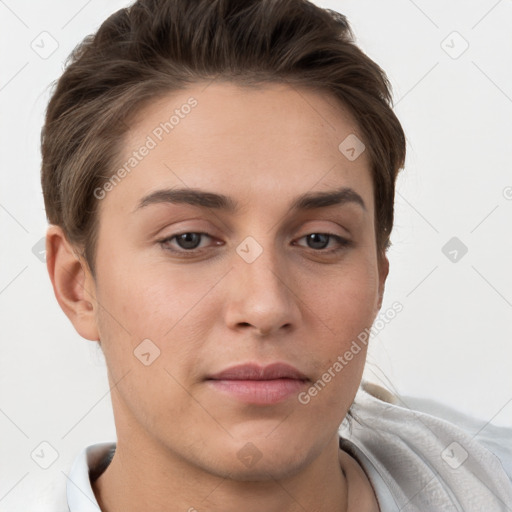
264,459
276,467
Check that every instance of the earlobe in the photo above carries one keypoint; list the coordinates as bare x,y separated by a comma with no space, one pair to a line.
72,283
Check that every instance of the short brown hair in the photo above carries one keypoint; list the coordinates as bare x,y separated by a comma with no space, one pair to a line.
155,47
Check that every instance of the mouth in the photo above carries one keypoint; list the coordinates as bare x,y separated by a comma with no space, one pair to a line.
259,385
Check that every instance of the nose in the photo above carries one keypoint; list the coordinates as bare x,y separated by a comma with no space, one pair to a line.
260,295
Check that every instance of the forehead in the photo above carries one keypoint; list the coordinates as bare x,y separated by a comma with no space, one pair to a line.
271,141
255,114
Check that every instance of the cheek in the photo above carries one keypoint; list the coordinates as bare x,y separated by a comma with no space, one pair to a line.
339,352
344,308
148,301
346,300
171,307
154,305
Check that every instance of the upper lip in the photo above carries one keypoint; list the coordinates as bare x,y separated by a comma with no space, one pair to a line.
254,371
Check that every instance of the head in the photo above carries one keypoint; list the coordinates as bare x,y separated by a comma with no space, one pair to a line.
263,126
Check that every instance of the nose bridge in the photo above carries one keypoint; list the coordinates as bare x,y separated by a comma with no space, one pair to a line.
260,265
259,294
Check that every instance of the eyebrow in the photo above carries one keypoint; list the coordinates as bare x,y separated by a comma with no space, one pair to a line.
201,198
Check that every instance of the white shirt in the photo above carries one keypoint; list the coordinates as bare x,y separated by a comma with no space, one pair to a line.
415,461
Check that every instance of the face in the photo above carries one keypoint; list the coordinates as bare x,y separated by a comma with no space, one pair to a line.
189,284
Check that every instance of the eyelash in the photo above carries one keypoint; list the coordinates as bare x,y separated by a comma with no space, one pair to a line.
343,243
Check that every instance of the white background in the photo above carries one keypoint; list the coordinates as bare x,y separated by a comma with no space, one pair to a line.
451,342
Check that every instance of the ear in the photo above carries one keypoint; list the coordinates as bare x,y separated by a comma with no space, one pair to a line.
383,274
72,283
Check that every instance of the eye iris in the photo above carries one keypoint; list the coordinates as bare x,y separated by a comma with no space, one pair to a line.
188,240
318,240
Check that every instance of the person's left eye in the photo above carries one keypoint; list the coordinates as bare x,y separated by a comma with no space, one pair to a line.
319,241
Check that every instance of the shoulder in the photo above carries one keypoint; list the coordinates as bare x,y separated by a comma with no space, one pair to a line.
496,439
428,454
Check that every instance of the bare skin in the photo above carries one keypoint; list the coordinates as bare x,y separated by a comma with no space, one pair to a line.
180,438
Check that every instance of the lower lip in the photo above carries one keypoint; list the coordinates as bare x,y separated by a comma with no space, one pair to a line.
261,392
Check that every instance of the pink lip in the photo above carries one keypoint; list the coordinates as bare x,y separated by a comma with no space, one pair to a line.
255,384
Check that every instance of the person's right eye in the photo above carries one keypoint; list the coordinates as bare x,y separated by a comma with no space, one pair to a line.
186,242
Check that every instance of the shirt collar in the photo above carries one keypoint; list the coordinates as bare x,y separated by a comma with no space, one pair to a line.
91,462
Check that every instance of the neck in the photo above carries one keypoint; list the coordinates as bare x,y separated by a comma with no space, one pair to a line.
150,478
